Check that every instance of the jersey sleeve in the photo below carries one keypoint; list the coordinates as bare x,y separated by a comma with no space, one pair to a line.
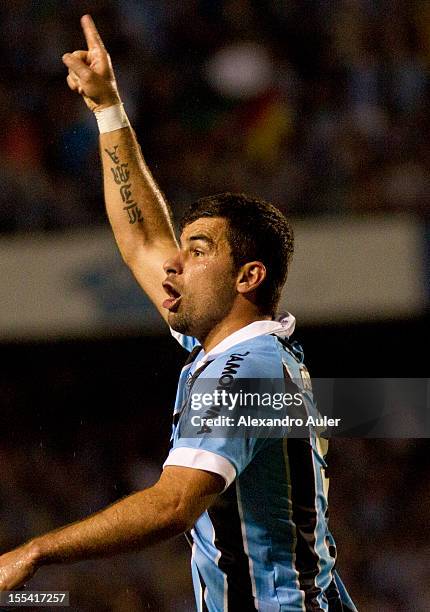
187,342
221,450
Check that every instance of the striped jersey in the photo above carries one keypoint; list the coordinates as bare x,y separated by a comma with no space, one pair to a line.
264,544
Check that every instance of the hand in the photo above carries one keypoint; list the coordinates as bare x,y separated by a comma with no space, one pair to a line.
90,72
16,567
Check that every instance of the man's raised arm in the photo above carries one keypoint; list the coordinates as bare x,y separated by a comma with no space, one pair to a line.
136,208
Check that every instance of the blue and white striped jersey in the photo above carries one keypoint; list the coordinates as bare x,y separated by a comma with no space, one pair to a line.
265,543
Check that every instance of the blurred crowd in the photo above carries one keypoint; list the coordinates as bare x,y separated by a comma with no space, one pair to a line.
320,106
52,487
379,495
379,503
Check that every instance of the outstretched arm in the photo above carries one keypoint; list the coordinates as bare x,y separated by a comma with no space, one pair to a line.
136,208
167,509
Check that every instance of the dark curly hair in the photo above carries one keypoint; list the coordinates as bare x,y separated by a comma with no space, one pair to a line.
257,231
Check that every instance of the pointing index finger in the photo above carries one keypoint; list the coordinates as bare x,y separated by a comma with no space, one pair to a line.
90,31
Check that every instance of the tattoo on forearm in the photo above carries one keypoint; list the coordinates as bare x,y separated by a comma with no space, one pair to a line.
120,173
125,192
121,176
112,154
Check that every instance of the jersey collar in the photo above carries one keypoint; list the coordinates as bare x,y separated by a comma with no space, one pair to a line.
283,327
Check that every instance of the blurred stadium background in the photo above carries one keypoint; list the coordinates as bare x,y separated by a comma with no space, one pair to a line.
320,106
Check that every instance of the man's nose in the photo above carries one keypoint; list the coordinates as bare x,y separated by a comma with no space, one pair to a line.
173,265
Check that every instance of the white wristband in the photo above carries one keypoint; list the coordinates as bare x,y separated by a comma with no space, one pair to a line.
112,118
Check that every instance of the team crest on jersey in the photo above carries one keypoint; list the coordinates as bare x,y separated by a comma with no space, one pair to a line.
306,378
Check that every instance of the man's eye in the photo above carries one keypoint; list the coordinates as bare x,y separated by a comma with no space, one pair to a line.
197,252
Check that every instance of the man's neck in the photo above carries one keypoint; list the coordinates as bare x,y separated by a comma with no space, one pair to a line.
228,326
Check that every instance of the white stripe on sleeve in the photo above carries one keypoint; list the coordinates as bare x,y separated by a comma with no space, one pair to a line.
202,460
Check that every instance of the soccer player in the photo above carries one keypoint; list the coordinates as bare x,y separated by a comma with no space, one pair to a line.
254,508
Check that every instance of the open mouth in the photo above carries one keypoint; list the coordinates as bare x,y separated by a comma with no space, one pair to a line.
174,296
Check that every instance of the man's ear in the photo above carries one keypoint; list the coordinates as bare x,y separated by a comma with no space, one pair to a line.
250,276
